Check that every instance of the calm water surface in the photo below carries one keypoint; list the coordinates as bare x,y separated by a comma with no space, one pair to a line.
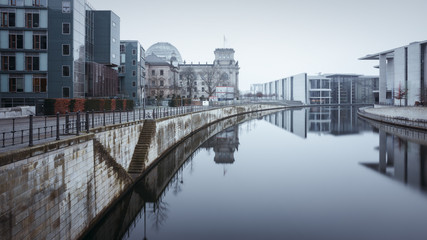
317,173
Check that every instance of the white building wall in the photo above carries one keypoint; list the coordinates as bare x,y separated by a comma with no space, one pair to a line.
414,73
20,18
399,71
4,78
28,40
28,85
300,88
390,74
20,61
4,39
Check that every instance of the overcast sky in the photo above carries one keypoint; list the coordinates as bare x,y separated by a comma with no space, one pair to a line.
275,38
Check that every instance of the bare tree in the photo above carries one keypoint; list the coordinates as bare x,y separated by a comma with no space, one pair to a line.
189,77
210,77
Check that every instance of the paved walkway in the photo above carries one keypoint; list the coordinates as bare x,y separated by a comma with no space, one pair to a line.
410,113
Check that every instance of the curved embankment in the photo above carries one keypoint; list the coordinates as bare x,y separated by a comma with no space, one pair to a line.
403,121
154,182
58,189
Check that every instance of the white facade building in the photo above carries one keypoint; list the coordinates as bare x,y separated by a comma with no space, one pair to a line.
402,72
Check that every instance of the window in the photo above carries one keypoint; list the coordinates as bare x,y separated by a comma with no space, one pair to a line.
133,94
153,72
32,20
65,92
122,48
12,2
66,7
161,72
133,51
162,92
65,71
162,83
153,83
36,3
8,19
134,62
39,84
66,28
134,84
203,89
122,69
16,84
16,41
8,62
195,89
32,63
133,73
39,42
65,49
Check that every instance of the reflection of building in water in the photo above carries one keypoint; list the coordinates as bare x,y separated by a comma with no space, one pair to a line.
293,121
402,160
319,119
332,120
224,144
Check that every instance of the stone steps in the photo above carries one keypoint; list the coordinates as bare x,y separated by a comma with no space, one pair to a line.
137,165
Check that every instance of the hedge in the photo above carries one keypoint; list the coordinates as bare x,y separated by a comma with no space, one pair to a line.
62,105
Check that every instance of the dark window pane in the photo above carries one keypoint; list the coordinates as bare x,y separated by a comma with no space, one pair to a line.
36,63
20,41
11,19
12,63
35,20
43,44
66,92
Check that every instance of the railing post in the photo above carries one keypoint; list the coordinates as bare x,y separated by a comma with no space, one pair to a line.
114,116
30,139
127,116
13,131
57,126
87,122
93,118
103,121
78,123
134,112
120,116
154,117
67,122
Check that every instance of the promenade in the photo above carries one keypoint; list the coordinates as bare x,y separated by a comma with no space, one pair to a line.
409,113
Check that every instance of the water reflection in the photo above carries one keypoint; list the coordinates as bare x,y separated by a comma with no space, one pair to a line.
402,155
322,120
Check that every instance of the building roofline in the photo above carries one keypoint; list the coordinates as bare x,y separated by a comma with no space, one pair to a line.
389,53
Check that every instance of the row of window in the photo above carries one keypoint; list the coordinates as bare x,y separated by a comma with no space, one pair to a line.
16,41
153,72
32,63
35,3
16,84
123,49
8,19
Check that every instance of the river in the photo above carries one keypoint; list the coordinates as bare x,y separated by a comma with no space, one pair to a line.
314,173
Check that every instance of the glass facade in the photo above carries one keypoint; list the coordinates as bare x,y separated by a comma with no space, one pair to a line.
79,51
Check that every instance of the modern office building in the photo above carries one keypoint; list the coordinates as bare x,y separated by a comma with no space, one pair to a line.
24,52
323,89
102,53
132,71
403,74
57,49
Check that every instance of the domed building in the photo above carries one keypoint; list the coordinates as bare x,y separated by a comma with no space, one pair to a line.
165,51
166,75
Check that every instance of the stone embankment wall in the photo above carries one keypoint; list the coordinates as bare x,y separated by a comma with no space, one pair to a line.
56,190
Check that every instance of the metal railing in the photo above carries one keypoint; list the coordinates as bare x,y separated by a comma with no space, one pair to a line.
31,129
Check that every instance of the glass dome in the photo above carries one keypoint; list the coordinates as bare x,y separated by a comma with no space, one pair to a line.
164,50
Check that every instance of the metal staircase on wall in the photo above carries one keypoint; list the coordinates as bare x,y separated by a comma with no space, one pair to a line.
137,165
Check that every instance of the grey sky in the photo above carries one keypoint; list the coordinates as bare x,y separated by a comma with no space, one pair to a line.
275,38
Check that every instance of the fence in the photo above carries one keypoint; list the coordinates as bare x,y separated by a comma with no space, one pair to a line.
31,129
